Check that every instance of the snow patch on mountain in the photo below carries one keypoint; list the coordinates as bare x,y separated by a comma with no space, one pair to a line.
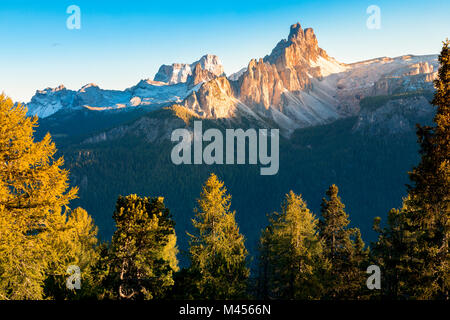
328,66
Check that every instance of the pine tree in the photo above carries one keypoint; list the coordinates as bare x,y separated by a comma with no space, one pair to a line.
217,251
143,253
34,192
429,195
343,247
292,265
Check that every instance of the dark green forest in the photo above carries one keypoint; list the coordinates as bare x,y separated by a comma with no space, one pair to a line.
371,172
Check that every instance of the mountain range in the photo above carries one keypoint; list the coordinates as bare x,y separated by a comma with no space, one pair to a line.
297,85
349,124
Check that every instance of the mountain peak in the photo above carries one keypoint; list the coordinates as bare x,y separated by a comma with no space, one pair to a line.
211,63
180,72
296,31
300,47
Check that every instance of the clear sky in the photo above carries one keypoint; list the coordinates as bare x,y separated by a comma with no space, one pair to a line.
121,42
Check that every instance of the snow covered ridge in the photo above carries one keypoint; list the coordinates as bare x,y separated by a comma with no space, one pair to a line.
49,101
174,89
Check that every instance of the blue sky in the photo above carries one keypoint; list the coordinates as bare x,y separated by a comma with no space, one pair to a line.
121,42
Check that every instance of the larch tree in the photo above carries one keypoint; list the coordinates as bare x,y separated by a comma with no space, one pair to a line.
34,193
217,250
292,264
74,243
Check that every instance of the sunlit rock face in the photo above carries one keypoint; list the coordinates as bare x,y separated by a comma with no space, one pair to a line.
284,86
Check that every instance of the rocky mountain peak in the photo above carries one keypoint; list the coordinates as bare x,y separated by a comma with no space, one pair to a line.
200,74
290,67
211,63
180,72
296,32
300,47
279,86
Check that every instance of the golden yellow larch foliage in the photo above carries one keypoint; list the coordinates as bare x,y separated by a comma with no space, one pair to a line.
34,192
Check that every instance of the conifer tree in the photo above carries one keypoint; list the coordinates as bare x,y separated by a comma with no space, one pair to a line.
74,242
393,252
264,263
344,249
143,253
429,195
34,193
217,251
292,264
104,283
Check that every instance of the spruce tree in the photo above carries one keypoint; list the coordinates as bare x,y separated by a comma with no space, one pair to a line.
264,263
429,195
292,265
143,254
344,249
34,193
393,253
217,251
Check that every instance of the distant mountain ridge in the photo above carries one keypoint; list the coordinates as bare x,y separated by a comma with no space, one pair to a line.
297,85
171,84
